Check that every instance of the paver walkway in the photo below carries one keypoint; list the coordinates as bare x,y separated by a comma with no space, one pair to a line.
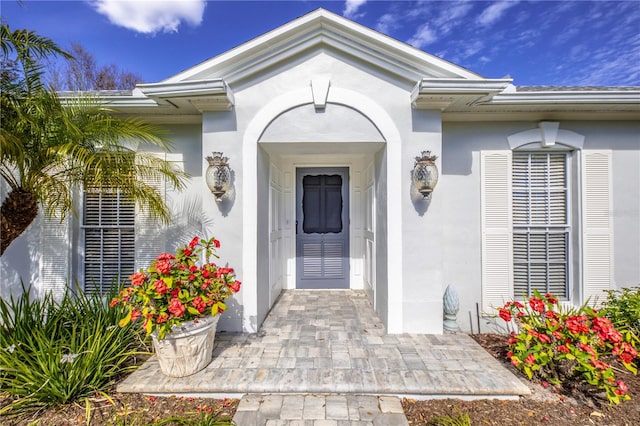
332,342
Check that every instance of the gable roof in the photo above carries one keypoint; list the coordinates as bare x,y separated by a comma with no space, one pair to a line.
323,29
438,84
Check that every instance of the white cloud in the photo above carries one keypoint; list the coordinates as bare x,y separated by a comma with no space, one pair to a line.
423,36
494,12
351,8
452,16
151,16
387,23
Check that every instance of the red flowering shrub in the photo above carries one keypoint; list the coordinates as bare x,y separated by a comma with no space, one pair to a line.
556,344
175,289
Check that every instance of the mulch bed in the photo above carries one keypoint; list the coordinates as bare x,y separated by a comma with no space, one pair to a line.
546,406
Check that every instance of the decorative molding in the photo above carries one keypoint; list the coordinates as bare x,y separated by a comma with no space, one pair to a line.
547,134
320,90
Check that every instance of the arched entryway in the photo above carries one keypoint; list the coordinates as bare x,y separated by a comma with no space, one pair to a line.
292,132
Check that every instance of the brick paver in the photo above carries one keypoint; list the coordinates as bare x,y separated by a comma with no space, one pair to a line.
322,342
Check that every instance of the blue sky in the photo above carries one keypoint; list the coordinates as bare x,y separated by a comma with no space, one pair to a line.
574,43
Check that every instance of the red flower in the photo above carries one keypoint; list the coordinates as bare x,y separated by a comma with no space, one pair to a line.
192,277
160,287
563,349
600,365
114,302
530,359
194,242
137,278
216,243
162,317
515,361
163,266
199,304
193,268
536,304
187,252
235,286
206,273
135,314
166,256
622,388
551,299
626,358
174,293
576,324
505,314
518,305
176,308
544,338
586,348
550,314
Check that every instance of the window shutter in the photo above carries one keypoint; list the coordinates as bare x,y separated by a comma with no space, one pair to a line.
108,239
496,210
597,232
56,251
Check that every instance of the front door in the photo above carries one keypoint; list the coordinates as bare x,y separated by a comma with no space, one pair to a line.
322,227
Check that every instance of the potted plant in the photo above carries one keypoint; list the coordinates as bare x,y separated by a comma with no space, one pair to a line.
179,301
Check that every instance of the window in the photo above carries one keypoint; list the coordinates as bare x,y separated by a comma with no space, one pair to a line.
109,238
322,204
540,217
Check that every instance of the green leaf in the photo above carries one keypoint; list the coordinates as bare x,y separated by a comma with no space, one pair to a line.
124,321
193,310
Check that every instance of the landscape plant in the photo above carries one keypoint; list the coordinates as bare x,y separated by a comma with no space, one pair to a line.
51,145
54,352
622,307
556,344
176,288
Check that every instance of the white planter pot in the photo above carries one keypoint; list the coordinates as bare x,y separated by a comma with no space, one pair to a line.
188,348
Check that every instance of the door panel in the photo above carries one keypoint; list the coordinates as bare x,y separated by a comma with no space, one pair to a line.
322,228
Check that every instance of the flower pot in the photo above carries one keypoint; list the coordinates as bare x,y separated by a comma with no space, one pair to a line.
188,348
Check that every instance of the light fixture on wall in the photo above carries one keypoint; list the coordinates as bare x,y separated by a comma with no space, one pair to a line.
425,174
218,176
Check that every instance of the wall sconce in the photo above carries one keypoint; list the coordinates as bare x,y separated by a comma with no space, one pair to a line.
425,174
218,176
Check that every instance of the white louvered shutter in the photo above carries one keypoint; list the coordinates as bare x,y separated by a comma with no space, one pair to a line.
497,270
56,253
540,223
597,232
108,227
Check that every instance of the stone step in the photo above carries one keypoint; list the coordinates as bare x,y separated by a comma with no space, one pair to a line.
319,410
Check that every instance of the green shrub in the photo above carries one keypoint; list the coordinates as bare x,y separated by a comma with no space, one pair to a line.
557,344
622,307
55,352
